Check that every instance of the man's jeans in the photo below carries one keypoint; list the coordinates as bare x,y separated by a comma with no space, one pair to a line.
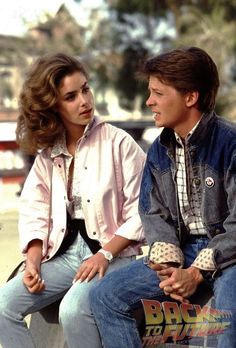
75,315
114,297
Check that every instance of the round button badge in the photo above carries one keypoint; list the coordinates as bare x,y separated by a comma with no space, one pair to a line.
209,182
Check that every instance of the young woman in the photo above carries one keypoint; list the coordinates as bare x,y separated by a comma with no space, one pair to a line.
78,216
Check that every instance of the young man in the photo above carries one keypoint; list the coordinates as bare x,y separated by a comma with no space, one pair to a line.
187,202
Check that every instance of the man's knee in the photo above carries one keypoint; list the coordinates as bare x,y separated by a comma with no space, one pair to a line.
94,296
225,286
100,292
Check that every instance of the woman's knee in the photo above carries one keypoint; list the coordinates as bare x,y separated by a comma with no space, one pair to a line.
3,305
73,306
6,300
66,311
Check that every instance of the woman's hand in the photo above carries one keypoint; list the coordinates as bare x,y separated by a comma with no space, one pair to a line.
90,267
97,263
32,279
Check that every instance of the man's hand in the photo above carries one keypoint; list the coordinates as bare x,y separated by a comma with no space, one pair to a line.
160,266
180,283
90,267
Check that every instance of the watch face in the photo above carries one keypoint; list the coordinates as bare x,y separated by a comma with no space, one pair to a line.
108,256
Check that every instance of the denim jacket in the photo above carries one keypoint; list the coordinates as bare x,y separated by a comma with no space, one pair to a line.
212,152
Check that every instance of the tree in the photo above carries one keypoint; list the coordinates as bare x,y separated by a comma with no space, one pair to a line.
140,28
214,30
209,24
59,33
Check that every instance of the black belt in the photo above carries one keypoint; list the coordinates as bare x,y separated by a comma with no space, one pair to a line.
75,226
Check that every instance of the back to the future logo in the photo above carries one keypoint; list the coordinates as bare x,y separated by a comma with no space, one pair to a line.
173,322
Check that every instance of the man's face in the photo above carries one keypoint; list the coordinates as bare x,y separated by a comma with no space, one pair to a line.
167,104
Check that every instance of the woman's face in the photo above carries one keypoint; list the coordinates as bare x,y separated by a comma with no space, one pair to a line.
75,103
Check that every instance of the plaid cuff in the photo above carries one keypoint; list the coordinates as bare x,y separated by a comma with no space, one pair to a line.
205,260
161,252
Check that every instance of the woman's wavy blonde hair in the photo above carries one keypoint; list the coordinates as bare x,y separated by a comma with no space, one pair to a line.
39,125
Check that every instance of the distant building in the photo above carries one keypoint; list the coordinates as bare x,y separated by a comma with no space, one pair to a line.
12,161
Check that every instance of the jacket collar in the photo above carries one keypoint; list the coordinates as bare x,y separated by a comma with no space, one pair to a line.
167,136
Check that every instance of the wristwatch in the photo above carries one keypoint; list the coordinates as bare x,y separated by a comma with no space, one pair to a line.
108,255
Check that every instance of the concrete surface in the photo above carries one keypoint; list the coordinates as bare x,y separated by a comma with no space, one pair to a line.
10,255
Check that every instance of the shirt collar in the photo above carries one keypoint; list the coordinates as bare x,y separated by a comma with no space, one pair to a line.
182,141
60,148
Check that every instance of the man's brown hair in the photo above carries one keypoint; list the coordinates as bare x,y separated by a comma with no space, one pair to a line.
187,69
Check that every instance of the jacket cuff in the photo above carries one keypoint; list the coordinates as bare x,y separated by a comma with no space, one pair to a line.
205,260
161,252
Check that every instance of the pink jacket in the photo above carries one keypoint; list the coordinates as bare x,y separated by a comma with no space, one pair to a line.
111,165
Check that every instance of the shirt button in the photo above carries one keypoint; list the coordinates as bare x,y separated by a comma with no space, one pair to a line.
62,230
197,182
94,233
85,168
47,257
88,200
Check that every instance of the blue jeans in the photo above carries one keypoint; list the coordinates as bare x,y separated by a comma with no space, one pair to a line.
113,299
75,315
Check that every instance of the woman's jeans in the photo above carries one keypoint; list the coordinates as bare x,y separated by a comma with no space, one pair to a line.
113,299
75,315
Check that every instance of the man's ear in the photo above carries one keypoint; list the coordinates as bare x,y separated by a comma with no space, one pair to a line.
191,98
